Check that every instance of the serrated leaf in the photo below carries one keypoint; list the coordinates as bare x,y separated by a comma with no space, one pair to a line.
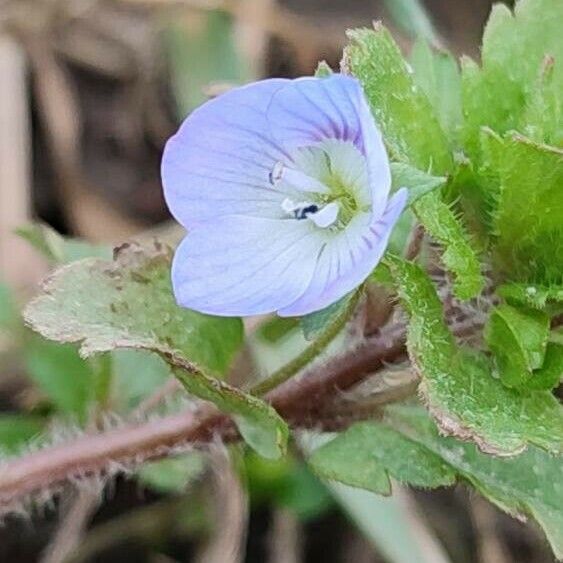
529,213
518,338
514,49
437,73
540,297
458,387
365,455
128,303
529,483
394,97
542,119
59,249
458,256
418,183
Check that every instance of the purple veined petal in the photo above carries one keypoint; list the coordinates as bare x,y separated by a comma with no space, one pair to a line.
307,111
348,260
240,265
220,159
379,171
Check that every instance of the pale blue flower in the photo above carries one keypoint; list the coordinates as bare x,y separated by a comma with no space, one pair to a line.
283,186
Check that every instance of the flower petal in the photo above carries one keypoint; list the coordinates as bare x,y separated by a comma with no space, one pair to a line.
308,111
220,159
241,265
348,260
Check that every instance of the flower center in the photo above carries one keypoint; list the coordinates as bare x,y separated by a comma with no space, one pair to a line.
325,183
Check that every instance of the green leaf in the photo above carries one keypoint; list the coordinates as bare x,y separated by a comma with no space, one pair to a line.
410,127
418,183
375,59
542,120
202,51
17,430
59,249
551,372
458,256
437,73
128,303
529,212
458,387
518,338
314,324
287,483
174,474
365,455
62,375
413,18
407,444
323,70
136,375
514,50
529,483
530,295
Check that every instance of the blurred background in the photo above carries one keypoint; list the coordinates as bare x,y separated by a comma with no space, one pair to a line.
89,92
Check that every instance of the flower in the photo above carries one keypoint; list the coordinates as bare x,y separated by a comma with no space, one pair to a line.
283,186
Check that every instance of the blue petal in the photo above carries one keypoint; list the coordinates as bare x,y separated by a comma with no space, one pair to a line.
239,265
307,111
348,260
219,161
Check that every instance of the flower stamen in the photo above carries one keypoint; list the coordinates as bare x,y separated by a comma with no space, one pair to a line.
296,179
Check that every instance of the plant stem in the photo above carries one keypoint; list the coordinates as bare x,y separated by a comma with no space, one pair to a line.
92,454
310,353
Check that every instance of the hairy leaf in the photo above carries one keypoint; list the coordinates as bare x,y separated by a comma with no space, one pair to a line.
458,387
407,444
528,222
515,47
375,59
129,303
518,339
437,73
544,298
365,455
458,257
418,183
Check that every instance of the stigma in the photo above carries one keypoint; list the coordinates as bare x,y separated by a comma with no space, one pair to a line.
322,217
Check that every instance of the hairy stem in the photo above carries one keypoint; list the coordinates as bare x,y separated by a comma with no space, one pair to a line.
310,353
91,455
